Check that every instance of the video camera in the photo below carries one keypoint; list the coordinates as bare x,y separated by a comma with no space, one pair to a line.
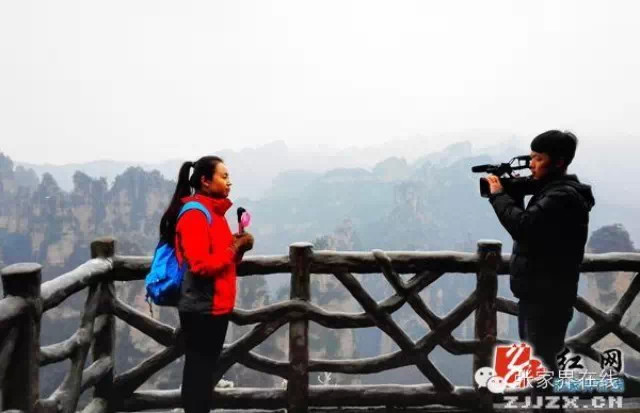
515,186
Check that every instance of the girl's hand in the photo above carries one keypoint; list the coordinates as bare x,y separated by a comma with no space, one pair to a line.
243,242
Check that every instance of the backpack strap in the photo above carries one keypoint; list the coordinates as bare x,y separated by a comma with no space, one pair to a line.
195,205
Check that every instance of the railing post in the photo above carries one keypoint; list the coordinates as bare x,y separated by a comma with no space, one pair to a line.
486,317
103,247
21,387
300,255
105,339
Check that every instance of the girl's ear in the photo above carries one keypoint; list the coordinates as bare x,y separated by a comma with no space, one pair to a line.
203,181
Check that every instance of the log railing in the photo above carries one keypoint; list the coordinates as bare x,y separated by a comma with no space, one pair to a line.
26,299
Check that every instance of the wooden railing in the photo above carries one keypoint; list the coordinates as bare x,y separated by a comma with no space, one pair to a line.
26,299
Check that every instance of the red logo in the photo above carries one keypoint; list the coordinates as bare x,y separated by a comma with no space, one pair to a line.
515,364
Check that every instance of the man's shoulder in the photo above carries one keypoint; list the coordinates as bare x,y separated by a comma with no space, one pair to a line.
569,192
562,189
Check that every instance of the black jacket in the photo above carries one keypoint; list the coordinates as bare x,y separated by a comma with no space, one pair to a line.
549,238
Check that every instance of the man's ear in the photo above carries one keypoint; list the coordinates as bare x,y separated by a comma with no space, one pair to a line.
560,163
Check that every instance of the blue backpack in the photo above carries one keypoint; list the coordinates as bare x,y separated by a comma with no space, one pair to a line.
165,277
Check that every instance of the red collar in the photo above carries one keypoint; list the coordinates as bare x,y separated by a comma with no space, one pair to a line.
218,205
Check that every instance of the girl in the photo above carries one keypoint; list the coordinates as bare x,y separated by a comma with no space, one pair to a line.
208,290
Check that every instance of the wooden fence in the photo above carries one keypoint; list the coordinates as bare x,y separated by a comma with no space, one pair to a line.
26,299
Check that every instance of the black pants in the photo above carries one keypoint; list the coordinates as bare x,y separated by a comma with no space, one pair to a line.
544,326
203,337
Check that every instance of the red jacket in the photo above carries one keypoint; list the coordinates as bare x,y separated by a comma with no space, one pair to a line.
209,285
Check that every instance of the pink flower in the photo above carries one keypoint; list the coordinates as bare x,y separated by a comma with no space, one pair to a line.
245,220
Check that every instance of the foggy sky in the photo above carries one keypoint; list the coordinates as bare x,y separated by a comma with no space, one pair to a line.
153,80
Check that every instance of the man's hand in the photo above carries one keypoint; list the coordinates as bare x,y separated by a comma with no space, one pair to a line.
494,184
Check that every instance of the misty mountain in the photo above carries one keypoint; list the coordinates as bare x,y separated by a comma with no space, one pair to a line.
431,203
254,169
276,169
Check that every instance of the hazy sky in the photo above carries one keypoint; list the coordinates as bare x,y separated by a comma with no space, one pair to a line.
151,80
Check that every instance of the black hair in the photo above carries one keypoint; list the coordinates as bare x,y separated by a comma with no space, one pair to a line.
556,144
205,166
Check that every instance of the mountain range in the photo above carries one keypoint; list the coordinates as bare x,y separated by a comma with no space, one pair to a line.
427,202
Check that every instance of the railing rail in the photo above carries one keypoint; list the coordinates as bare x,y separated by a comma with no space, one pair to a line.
26,299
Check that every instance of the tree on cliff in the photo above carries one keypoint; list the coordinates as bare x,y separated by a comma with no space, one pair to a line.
611,238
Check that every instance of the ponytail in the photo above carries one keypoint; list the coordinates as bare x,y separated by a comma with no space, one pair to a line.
170,216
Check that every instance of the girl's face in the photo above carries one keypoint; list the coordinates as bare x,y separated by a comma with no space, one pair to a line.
220,184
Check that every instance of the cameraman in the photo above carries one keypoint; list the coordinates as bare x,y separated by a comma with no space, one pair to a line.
549,237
